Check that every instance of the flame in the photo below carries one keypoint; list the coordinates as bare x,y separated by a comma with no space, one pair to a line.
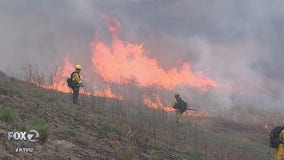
267,126
60,77
159,105
123,61
60,84
106,93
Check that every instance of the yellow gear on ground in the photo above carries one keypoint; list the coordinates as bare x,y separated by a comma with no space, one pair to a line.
279,151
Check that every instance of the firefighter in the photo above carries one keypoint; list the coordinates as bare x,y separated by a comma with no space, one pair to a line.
180,106
279,151
77,83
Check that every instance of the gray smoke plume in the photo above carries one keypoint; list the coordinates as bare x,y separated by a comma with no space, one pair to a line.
236,43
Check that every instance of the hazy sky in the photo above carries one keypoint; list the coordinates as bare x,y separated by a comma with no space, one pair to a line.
237,42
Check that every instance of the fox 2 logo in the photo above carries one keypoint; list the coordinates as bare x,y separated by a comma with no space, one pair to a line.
31,136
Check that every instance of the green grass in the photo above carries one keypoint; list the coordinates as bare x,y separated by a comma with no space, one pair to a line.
108,128
39,125
192,155
155,157
10,116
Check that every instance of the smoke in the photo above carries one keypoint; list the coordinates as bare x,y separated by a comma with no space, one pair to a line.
239,44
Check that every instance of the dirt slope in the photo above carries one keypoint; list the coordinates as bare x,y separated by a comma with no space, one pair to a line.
101,128
82,131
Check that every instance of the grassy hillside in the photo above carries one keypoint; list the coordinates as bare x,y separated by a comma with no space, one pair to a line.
101,128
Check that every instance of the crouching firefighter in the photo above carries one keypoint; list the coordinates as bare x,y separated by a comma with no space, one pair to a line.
277,141
75,82
180,106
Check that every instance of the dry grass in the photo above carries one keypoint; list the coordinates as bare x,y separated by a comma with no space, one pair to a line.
108,128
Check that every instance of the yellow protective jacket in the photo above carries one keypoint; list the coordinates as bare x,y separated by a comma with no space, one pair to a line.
279,151
77,79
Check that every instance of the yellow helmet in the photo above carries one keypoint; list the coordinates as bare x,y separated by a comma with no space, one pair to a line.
78,66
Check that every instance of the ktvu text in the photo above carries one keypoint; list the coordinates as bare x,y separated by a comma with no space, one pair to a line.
31,136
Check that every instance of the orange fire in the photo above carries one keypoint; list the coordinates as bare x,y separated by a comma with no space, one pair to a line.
106,93
267,126
121,62
159,105
124,62
60,83
60,77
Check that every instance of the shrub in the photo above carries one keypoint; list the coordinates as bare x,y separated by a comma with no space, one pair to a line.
9,115
39,125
